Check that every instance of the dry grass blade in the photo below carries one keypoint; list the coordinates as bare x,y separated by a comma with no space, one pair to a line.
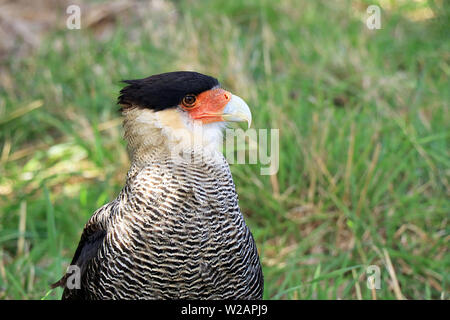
391,270
22,228
373,290
6,150
349,164
357,286
372,166
21,111
275,186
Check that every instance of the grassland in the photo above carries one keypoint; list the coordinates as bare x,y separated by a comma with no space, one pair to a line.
364,139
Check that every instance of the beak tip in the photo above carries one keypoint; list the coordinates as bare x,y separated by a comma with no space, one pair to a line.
237,111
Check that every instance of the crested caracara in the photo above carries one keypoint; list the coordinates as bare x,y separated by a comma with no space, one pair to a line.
175,230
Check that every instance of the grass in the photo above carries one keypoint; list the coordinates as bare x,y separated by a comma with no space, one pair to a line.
364,139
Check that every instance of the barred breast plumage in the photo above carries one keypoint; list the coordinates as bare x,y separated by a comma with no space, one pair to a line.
174,232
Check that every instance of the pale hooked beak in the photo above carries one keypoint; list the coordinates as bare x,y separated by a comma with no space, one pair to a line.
237,111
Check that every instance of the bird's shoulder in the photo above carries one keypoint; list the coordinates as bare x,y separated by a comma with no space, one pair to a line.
88,247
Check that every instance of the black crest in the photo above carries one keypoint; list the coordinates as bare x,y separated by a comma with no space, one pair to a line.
164,90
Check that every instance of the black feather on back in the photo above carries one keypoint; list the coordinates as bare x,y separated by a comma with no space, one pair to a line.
165,90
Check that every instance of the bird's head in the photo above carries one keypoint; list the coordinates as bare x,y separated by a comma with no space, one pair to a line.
178,108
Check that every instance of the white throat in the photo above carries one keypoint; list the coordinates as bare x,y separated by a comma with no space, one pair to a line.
169,130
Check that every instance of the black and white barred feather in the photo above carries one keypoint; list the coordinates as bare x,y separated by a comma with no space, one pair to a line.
175,231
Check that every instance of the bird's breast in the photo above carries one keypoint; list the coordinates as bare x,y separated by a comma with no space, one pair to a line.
180,224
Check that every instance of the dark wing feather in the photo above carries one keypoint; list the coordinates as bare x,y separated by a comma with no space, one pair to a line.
90,242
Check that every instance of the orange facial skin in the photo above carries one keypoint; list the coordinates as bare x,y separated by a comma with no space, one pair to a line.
209,105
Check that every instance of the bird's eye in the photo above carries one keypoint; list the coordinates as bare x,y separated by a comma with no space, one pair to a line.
189,100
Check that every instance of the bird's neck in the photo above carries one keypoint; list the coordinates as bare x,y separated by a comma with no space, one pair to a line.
154,136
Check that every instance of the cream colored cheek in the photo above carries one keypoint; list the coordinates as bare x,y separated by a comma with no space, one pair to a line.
171,118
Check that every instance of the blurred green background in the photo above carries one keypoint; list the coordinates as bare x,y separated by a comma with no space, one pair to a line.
363,118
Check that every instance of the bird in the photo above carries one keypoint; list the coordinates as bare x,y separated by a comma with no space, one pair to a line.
175,230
